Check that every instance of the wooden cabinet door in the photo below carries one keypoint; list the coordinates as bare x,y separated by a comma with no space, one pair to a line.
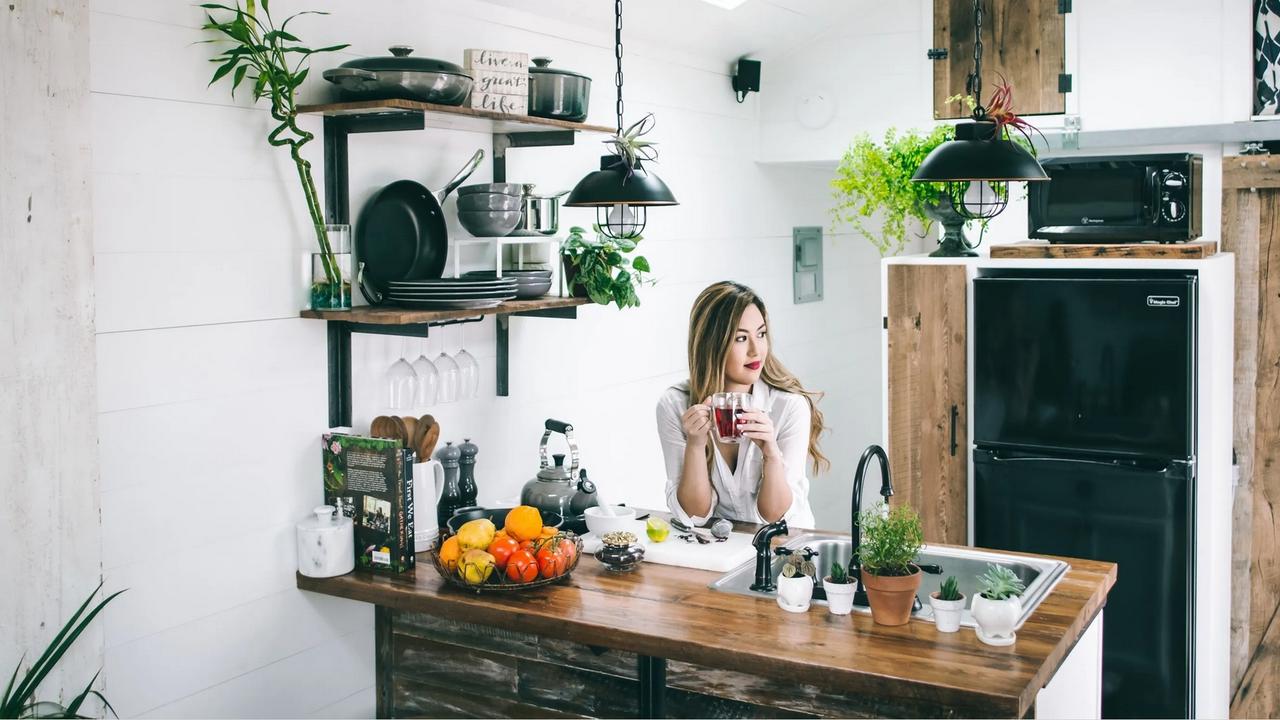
1023,40
928,432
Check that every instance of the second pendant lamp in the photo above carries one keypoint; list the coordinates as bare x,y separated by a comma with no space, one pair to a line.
978,165
622,190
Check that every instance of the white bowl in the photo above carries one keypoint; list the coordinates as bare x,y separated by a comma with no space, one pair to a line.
601,524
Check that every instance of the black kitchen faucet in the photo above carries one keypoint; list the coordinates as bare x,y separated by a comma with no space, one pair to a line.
886,490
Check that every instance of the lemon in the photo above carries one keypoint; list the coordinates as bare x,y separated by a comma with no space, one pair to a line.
657,529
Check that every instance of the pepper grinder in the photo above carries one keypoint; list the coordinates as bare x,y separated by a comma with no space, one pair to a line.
467,482
451,498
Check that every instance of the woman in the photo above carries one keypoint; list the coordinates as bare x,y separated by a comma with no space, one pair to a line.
761,481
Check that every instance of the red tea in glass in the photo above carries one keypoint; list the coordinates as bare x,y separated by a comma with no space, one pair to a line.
726,409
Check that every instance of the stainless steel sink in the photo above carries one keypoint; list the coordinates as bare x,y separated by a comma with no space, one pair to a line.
1039,575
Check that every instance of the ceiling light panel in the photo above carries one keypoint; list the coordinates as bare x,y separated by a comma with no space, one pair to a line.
726,4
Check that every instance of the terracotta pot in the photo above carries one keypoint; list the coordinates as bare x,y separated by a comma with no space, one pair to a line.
576,289
891,597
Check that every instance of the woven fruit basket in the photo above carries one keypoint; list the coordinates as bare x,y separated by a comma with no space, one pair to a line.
556,565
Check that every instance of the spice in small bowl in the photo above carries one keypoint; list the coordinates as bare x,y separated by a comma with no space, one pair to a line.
620,552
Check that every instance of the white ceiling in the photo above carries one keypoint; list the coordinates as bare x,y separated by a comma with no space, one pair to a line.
757,28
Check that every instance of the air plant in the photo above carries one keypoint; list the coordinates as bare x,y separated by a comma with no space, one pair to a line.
628,146
1000,110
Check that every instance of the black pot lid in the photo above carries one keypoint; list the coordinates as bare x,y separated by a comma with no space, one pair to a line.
543,65
401,61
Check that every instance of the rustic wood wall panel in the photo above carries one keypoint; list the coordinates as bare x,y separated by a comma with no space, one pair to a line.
927,367
1023,40
1251,211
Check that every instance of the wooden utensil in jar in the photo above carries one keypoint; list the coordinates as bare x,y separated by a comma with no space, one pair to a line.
430,437
384,427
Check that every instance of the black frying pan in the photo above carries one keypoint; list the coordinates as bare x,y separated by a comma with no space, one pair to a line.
401,233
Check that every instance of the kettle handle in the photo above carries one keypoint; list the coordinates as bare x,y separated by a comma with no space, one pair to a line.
565,429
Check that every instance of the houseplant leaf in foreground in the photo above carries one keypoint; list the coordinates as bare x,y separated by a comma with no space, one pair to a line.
19,701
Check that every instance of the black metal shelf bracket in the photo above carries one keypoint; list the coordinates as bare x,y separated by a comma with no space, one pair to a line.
337,199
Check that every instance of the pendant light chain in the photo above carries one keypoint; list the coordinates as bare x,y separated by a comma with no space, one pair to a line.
617,40
975,80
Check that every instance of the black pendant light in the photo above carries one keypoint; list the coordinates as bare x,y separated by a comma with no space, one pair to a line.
978,165
622,190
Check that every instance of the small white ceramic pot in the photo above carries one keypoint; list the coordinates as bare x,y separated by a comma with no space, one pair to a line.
795,591
946,613
996,618
839,595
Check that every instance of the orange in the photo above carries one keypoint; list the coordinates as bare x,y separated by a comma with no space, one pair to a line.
524,523
449,554
500,533
522,567
501,549
548,531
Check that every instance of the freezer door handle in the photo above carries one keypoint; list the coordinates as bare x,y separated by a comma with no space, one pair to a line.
994,457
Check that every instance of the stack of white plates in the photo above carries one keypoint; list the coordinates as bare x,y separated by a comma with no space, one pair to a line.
452,293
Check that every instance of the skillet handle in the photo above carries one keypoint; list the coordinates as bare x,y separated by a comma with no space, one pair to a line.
461,177
370,293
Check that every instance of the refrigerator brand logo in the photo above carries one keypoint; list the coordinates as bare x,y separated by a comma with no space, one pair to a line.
1163,301
1091,221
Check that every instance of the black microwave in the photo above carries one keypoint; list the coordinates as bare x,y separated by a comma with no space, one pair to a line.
1117,199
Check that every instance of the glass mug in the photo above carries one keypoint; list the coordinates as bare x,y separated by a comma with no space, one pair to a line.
726,408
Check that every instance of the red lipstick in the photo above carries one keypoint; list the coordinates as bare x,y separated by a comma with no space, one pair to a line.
753,365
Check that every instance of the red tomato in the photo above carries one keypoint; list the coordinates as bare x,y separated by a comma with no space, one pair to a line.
501,550
551,562
566,548
522,567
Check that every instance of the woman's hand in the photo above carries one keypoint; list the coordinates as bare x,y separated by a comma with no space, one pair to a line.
757,426
697,424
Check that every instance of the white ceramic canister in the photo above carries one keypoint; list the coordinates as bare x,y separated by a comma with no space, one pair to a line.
326,544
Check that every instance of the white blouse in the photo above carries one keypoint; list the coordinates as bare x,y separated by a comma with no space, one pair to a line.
734,492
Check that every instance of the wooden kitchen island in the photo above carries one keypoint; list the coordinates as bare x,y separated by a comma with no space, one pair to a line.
657,642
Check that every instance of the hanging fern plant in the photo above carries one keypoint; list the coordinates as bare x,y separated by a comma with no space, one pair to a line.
876,177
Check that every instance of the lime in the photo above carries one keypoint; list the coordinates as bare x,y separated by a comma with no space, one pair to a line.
657,529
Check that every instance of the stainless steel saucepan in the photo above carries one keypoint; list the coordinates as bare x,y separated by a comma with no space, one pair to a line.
541,212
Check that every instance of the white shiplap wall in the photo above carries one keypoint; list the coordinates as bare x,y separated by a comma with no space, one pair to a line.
212,391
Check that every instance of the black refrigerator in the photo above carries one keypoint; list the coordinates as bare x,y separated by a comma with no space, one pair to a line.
1084,446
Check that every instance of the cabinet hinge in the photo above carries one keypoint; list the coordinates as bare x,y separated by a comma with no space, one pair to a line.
1064,83
1064,7
937,54
886,322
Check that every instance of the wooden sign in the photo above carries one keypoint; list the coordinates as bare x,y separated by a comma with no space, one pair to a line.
500,83
505,104
495,60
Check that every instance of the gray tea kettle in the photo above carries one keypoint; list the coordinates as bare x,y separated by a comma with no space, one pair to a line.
554,487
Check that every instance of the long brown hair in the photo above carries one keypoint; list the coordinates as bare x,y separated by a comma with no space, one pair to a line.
712,324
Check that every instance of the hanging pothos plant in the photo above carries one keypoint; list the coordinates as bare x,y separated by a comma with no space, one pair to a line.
602,269
276,63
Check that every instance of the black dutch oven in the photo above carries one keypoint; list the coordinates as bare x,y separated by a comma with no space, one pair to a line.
401,77
498,516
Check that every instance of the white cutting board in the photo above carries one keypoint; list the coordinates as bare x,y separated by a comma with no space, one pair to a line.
715,556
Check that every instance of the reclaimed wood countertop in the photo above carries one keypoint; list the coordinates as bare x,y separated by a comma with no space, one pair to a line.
669,612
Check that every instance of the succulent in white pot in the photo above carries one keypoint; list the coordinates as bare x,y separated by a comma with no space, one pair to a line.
795,584
948,606
998,606
840,589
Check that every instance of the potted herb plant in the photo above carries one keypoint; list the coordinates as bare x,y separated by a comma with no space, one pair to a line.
600,269
948,605
889,544
839,588
997,607
275,62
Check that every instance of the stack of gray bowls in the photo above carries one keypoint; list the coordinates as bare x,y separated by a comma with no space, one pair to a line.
529,283
489,209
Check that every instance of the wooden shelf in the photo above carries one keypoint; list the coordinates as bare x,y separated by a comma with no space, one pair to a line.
455,118
391,316
1039,249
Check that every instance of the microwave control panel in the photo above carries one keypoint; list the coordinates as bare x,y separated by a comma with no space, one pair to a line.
1174,193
